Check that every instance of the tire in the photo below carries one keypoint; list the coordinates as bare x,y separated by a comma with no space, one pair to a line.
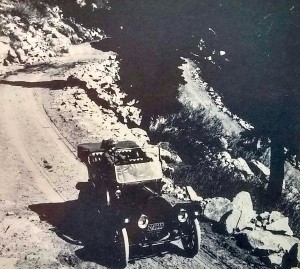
191,237
121,248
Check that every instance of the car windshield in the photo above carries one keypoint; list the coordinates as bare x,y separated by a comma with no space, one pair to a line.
136,165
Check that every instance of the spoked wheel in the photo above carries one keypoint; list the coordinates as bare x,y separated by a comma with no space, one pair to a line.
191,237
121,247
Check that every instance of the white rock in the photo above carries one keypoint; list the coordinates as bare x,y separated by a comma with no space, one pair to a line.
264,216
193,195
275,215
242,213
225,156
242,165
216,208
141,135
169,156
280,226
224,143
21,55
259,168
275,259
265,242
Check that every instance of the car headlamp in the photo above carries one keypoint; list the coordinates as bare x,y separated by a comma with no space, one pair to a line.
143,221
182,215
118,193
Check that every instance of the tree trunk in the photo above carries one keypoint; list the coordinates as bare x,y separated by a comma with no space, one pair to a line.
276,169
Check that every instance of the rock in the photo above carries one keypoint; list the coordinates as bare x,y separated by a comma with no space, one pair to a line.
242,165
263,216
232,221
9,213
259,224
225,158
193,195
251,226
4,39
12,54
141,135
46,28
274,259
216,208
4,48
169,156
224,143
280,226
264,242
168,185
259,169
242,213
61,44
21,55
275,215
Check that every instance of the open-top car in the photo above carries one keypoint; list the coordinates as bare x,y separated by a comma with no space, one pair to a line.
124,190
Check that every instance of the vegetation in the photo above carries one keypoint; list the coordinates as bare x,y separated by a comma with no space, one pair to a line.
195,135
260,79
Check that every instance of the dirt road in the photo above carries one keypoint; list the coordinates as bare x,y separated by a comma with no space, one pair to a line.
39,172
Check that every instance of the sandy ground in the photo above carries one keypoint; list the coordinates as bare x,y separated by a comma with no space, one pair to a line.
40,170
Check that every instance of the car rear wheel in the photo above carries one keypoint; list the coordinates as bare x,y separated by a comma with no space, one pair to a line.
121,247
191,237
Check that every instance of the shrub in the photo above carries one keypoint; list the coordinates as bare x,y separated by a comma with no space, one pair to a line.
192,133
209,179
26,10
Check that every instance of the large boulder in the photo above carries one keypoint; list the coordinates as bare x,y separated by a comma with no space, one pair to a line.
275,215
21,55
4,47
274,259
141,135
264,242
242,213
60,44
259,169
242,166
280,226
216,208
169,156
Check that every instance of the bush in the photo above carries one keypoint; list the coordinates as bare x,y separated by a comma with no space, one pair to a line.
192,133
26,10
209,179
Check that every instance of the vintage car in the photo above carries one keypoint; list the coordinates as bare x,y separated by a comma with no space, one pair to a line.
124,189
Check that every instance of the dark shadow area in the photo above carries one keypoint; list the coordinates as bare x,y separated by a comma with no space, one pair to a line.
30,69
53,84
76,224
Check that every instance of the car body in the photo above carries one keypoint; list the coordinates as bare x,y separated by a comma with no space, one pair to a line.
124,186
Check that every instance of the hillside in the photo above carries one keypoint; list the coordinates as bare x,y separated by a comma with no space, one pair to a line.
58,91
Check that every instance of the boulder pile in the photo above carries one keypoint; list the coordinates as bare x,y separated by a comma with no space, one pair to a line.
267,234
99,80
253,168
35,39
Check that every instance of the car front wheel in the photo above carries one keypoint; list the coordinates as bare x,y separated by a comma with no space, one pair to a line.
191,237
121,247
